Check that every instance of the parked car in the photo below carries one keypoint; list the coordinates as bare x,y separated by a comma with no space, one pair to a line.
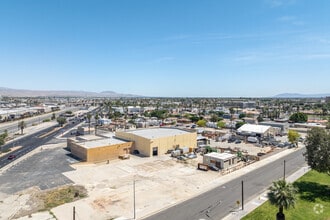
169,151
12,156
261,154
252,139
238,141
213,167
192,156
182,158
231,140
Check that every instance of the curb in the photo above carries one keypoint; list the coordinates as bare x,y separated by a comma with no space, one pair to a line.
262,197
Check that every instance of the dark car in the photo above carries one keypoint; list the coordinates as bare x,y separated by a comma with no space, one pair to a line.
261,154
231,140
136,152
10,157
238,141
182,158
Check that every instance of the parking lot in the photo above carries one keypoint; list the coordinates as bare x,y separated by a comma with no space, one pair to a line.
42,169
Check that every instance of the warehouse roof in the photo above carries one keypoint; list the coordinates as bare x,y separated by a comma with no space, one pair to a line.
101,142
250,128
158,132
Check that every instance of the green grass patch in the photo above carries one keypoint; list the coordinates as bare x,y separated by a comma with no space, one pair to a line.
59,196
313,200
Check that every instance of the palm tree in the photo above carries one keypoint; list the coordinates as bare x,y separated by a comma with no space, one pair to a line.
89,116
282,195
21,125
97,117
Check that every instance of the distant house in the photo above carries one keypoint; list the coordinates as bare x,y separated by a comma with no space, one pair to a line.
220,160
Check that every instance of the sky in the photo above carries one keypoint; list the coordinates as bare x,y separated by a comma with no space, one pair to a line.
181,48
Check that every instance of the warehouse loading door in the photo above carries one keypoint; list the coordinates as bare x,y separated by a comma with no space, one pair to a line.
155,151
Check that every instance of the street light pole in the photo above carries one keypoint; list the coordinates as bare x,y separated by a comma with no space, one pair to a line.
242,195
284,171
134,199
74,213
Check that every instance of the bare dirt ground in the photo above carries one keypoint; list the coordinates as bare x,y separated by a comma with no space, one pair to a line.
159,182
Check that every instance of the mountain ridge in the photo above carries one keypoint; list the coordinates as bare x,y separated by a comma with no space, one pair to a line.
4,91
299,95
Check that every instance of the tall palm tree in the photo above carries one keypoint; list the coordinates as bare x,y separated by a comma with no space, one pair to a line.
89,116
21,125
282,195
97,117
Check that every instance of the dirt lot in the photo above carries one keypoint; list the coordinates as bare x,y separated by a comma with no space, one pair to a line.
159,183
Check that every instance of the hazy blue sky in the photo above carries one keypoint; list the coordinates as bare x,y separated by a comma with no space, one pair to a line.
167,47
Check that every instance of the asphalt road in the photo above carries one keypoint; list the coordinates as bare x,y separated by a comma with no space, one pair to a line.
219,202
31,142
12,127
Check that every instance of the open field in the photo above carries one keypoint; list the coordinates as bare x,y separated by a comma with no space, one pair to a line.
313,200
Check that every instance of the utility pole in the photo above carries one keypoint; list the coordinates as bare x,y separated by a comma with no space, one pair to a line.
134,199
284,171
242,195
74,213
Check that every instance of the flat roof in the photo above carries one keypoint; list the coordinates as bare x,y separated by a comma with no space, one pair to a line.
221,156
250,128
158,132
101,143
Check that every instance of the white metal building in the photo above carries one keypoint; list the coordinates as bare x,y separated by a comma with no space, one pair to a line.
255,130
220,160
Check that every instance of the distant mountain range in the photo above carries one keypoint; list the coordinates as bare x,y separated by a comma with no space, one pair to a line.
60,93
297,95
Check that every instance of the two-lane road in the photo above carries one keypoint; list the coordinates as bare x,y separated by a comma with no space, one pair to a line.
219,202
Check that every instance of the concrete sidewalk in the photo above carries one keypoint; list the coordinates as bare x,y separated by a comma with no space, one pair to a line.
262,197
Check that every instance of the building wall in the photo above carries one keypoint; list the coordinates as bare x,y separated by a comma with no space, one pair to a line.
145,146
139,143
78,151
222,164
98,154
166,143
110,152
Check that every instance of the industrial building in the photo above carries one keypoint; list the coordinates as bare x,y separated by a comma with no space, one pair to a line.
283,127
91,148
256,130
220,160
157,141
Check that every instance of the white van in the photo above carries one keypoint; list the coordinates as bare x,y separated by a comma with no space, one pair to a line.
252,139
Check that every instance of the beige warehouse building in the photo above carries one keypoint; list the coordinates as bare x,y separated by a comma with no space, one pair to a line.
99,149
157,141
